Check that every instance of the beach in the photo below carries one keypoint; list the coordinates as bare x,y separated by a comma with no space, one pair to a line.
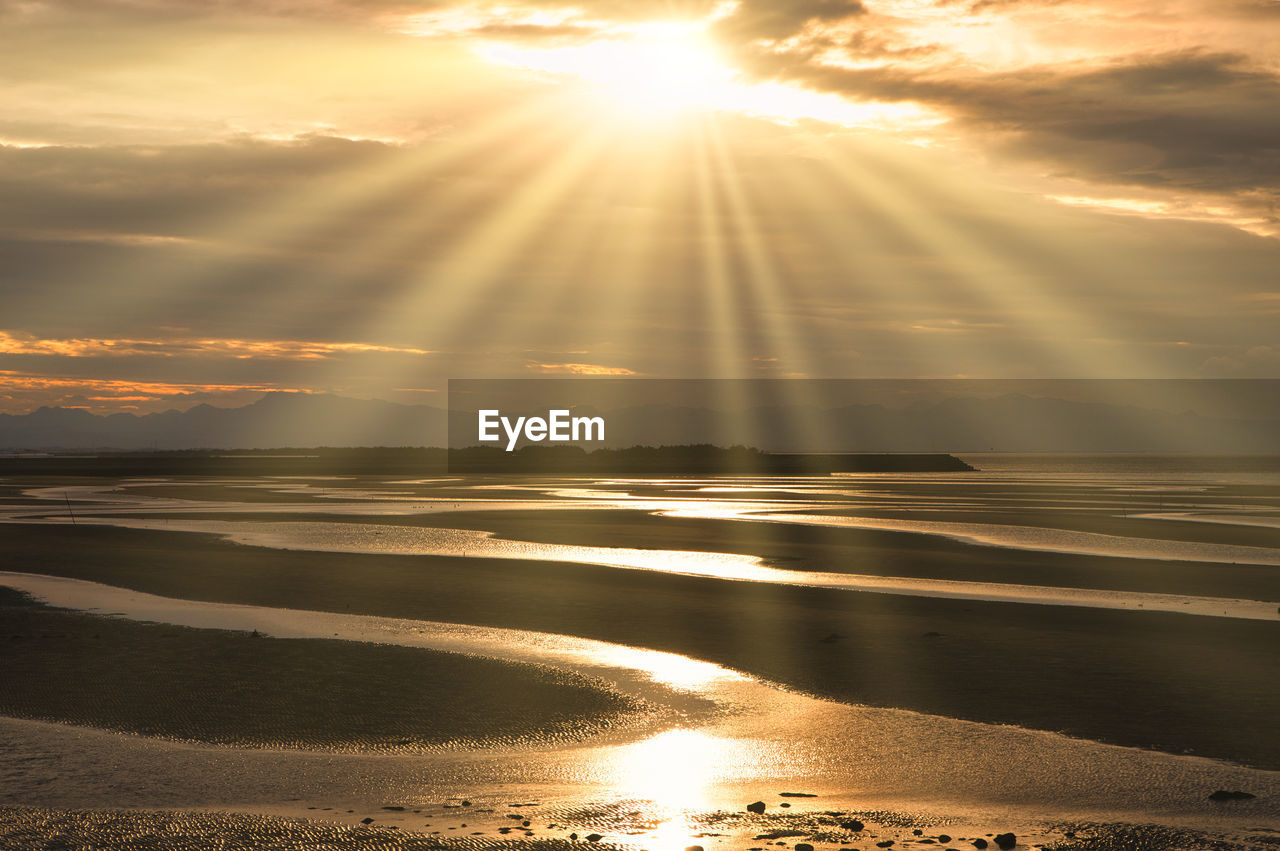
663,652
714,425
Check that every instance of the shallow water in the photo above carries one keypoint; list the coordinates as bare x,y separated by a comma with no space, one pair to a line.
723,738
1264,520
1038,539
726,739
885,502
383,539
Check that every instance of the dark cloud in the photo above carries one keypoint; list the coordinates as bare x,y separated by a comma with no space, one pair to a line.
867,44
163,190
765,19
1264,9
1186,120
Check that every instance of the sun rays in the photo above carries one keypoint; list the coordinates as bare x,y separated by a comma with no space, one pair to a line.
577,193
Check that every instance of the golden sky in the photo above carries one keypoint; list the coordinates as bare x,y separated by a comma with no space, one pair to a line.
201,201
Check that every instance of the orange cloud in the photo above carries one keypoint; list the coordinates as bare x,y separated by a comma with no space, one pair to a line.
580,369
124,399
12,343
126,390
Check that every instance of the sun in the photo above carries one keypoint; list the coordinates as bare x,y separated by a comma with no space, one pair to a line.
646,71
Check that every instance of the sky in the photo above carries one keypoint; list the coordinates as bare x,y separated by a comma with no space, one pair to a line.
203,201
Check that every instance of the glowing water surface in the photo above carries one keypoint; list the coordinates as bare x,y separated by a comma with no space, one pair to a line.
383,539
726,738
687,498
1264,520
1034,538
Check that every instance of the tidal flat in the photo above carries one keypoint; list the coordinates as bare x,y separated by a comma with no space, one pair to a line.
668,689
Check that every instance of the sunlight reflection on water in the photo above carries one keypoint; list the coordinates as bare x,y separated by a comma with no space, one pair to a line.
734,731
874,502
1017,537
385,539
673,769
670,669
752,738
676,773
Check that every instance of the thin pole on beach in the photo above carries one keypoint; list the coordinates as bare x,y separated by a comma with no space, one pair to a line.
69,509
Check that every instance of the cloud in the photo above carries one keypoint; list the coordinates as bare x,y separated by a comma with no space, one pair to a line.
1171,97
28,344
1187,121
162,191
151,11
376,13
133,390
201,175
21,392
1240,362
771,20
578,369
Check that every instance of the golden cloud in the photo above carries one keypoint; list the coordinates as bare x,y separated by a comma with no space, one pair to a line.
78,347
580,369
123,390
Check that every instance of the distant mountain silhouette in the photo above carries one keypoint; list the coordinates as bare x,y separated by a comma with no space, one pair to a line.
275,420
1010,423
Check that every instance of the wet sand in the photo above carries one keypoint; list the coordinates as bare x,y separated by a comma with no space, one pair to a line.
685,784
247,689
837,549
1203,685
348,536
1200,685
448,827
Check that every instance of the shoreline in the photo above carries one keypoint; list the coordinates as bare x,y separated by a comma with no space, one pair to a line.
750,689
336,536
756,735
1054,668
